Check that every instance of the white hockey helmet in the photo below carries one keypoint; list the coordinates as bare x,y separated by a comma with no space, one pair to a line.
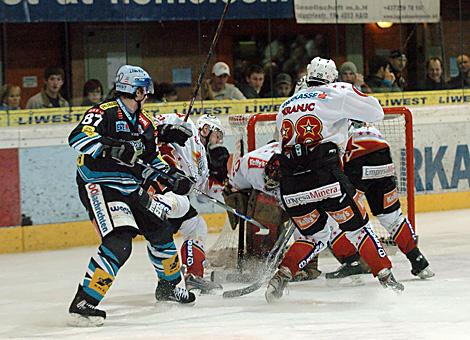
129,78
322,70
211,120
301,84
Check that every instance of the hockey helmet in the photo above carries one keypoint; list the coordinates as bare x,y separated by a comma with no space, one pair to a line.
272,173
213,122
322,71
129,78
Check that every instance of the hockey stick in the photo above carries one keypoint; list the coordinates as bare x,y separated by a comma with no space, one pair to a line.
263,230
272,261
208,58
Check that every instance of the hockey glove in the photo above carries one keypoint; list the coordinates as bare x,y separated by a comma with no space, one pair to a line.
217,157
172,133
125,152
180,184
156,207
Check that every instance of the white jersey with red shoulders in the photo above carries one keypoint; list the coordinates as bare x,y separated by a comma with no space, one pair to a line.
362,141
191,158
248,171
321,114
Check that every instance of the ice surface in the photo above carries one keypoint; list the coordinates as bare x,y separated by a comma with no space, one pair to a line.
36,289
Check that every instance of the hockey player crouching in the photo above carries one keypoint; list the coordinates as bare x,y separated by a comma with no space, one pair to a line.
258,173
205,158
313,125
369,166
113,188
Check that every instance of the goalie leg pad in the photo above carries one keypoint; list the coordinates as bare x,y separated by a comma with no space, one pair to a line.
238,201
193,257
165,261
371,250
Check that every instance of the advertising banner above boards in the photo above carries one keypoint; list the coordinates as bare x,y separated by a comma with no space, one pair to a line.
140,10
365,11
251,106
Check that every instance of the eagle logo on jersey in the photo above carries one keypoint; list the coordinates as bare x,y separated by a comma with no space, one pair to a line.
308,129
287,131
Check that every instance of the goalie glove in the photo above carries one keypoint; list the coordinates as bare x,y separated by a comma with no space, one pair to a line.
125,152
172,133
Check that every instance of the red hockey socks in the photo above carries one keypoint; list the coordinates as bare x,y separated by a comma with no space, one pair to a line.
300,253
342,247
193,257
405,237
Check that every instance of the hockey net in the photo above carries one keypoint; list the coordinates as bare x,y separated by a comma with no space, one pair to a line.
246,132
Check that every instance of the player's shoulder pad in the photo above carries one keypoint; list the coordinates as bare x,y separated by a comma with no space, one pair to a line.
108,105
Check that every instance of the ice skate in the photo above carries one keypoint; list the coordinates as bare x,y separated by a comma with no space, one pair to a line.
348,269
83,313
277,284
166,291
387,280
419,264
199,283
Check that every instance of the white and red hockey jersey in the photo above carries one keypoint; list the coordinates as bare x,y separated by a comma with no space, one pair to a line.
362,141
247,172
321,114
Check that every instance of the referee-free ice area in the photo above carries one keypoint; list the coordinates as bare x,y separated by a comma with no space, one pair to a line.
36,289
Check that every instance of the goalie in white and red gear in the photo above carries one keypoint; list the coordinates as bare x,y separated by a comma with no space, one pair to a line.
191,158
369,166
313,126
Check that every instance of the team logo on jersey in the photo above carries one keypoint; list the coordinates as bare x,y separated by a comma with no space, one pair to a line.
257,163
307,220
308,129
287,131
390,198
122,126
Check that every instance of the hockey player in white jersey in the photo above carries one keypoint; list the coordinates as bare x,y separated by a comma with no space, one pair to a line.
369,166
192,159
313,126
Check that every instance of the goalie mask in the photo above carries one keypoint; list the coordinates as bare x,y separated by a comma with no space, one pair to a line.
321,71
272,173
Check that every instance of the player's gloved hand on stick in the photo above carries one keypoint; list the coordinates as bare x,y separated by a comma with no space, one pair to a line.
172,133
180,184
123,151
218,156
155,206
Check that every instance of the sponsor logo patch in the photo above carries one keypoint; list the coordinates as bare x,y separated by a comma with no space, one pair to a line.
257,163
101,281
307,220
89,130
122,126
380,171
108,105
312,196
98,206
343,215
390,198
144,121
121,214
359,199
171,266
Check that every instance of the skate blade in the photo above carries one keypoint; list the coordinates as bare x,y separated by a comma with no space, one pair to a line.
77,320
348,281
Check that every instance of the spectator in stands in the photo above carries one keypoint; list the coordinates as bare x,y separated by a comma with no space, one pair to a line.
434,79
219,86
253,82
164,92
10,97
348,73
380,78
92,92
463,79
398,63
50,94
283,85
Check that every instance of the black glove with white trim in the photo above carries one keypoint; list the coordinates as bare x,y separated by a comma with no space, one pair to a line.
179,183
125,152
172,133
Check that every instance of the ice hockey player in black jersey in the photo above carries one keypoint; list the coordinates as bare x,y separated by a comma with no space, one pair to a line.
122,197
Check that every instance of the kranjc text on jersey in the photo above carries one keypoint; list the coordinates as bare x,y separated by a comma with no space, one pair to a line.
190,158
112,119
362,141
320,114
248,171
